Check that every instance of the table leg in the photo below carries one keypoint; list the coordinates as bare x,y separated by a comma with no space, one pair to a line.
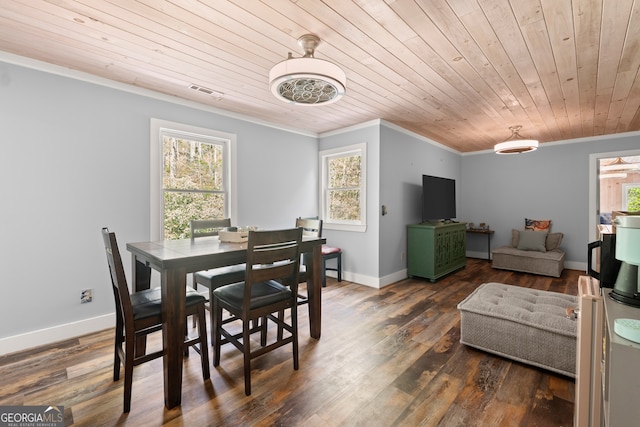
314,288
173,285
141,279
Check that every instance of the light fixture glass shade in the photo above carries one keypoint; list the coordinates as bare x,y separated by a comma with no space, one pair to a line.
516,144
307,80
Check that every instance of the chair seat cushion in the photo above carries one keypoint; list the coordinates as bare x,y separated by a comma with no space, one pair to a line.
216,277
148,303
326,250
262,294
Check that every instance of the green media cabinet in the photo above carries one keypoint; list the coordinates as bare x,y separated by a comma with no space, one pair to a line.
436,249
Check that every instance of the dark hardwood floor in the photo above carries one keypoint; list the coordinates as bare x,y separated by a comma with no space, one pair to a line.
388,357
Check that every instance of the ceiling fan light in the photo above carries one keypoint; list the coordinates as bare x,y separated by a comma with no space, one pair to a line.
619,165
515,144
307,81
516,147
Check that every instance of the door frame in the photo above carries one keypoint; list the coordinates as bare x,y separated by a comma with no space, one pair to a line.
594,185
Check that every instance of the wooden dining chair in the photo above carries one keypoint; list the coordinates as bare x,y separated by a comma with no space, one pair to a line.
313,227
139,314
215,277
331,252
271,285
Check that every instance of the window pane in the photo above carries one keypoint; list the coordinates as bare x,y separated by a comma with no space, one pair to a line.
344,172
344,205
192,165
181,207
633,199
343,177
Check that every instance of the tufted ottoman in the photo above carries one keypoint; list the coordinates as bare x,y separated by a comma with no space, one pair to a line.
522,324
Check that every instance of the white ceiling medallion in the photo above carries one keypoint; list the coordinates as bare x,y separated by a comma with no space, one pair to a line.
307,80
516,144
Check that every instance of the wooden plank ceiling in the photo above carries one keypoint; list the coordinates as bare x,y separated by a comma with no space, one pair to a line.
459,72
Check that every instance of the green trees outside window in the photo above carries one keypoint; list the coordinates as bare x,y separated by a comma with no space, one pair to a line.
344,188
193,183
633,198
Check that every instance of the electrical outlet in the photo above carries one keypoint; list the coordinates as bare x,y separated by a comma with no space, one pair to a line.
401,255
86,296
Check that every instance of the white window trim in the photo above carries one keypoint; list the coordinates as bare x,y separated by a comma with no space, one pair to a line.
155,168
361,149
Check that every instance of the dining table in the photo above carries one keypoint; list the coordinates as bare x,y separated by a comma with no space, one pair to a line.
174,260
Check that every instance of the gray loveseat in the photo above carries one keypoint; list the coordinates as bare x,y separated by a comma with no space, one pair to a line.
536,252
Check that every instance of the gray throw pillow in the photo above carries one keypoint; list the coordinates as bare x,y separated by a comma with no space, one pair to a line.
553,241
515,238
533,241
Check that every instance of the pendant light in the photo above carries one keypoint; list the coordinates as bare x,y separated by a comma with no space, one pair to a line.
516,144
619,165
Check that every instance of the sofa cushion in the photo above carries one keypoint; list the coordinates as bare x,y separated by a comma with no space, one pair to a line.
549,263
532,241
553,241
515,238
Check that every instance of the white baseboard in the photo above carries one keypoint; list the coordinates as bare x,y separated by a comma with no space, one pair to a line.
574,265
475,254
373,282
55,334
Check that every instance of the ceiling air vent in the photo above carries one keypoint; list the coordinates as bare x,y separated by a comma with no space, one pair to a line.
217,95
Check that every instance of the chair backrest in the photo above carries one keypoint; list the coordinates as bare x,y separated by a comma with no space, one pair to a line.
311,227
124,311
273,255
208,227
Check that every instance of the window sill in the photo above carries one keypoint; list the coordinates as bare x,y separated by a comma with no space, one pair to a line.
359,228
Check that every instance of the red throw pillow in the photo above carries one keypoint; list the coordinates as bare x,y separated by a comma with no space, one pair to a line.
537,224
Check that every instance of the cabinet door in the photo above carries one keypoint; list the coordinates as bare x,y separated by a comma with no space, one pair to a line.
420,251
449,248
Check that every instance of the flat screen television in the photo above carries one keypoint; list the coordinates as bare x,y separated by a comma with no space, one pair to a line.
438,198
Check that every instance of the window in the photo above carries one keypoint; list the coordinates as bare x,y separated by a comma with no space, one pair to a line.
190,177
631,197
343,188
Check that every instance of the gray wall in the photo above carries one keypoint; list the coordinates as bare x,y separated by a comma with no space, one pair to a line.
75,158
404,159
396,161
360,249
550,183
